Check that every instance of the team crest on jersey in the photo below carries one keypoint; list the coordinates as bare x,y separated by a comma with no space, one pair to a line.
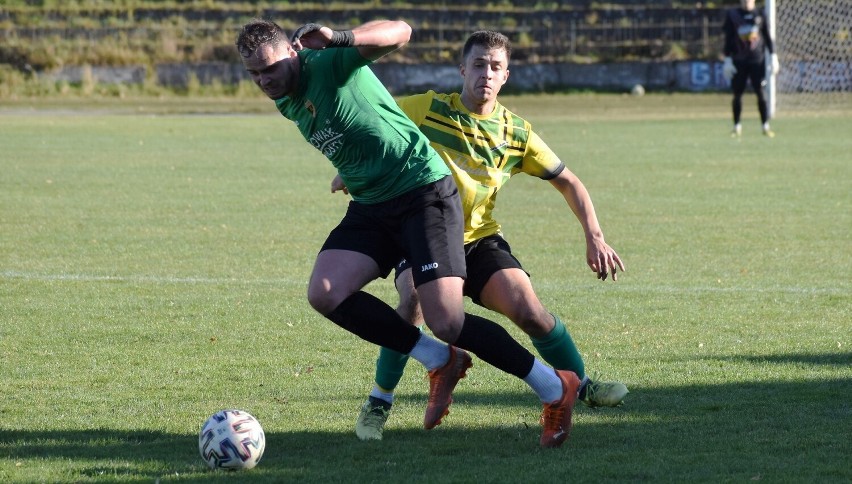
749,34
311,108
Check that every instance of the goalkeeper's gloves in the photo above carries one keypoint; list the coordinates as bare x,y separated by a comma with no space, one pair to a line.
728,69
776,66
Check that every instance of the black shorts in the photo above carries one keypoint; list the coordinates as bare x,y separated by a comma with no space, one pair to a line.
484,257
424,226
747,71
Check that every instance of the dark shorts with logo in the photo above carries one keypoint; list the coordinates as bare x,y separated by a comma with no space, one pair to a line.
484,257
424,226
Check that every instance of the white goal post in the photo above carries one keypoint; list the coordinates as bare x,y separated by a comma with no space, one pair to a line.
813,40
771,84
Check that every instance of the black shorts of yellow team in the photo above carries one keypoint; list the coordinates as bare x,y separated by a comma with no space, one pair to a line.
424,225
484,257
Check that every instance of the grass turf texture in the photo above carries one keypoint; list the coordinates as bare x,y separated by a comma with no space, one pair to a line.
153,270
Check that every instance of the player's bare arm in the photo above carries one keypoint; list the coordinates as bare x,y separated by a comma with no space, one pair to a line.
373,39
601,258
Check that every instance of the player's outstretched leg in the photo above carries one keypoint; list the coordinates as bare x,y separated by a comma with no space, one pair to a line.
442,382
556,415
558,349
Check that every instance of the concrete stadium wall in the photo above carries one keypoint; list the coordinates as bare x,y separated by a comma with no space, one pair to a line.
408,78
668,76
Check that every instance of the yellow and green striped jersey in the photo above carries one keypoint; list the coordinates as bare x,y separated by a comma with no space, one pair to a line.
482,151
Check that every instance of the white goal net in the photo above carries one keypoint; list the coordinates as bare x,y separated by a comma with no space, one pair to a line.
813,39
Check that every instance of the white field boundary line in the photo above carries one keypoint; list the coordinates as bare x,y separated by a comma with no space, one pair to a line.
32,276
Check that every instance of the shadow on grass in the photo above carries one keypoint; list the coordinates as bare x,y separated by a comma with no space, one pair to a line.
829,359
774,431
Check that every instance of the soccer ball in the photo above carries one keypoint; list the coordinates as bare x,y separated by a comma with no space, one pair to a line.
638,90
231,439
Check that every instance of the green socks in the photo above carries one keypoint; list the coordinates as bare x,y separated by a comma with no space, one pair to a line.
389,369
559,350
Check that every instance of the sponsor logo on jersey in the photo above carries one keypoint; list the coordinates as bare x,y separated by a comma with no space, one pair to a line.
327,140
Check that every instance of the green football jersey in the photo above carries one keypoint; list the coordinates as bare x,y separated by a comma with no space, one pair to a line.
344,111
483,152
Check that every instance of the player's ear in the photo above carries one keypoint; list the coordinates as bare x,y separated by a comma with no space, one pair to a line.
288,49
461,69
291,51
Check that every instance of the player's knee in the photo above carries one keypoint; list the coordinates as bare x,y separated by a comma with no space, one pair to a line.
322,299
319,302
535,322
446,331
446,327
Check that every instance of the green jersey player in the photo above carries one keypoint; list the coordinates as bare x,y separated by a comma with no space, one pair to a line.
405,205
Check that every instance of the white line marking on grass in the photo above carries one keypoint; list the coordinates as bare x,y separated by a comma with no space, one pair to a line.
696,290
31,276
758,290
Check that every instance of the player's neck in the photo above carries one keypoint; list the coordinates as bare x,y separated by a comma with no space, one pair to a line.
478,107
295,74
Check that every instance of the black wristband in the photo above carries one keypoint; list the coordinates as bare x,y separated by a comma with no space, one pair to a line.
342,38
304,29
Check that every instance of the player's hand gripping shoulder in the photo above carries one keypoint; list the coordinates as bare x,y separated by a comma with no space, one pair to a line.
373,39
603,259
316,36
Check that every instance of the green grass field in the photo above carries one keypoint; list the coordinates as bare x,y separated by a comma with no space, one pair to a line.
154,257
